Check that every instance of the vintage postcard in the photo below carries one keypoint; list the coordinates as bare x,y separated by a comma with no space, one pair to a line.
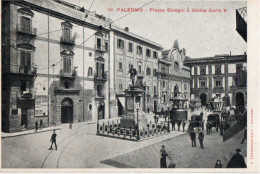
129,86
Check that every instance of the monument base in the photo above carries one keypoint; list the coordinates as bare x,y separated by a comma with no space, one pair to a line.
129,120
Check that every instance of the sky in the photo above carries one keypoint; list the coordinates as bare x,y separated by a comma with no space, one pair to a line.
202,34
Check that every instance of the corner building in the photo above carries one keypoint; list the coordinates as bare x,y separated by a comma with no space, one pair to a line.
49,73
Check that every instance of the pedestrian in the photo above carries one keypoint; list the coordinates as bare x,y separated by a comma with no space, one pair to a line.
221,128
237,161
179,124
207,127
53,140
164,154
173,124
193,138
183,125
41,122
157,118
201,138
202,125
70,125
217,125
36,126
244,138
201,114
148,110
210,127
218,164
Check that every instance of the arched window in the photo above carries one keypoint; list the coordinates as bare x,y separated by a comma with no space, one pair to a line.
148,71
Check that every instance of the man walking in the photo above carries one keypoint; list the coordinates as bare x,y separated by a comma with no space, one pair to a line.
53,140
179,124
173,124
36,126
41,124
207,127
183,125
201,138
193,138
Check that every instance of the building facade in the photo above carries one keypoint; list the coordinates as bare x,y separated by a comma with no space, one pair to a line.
130,49
52,72
173,76
225,75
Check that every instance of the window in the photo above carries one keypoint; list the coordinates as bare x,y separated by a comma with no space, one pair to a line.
90,71
130,47
67,85
185,86
90,54
155,54
25,63
100,71
67,64
218,83
120,86
90,107
99,43
106,47
120,44
99,90
14,111
202,70
203,84
120,66
164,98
148,52
154,90
26,24
139,50
154,72
25,86
66,33
217,69
148,71
139,68
164,84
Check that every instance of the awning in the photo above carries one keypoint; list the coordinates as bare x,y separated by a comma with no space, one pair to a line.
122,101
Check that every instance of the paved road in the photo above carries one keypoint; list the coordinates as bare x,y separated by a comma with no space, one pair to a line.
184,156
77,148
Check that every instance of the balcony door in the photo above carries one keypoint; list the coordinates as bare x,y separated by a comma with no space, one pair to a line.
26,24
25,62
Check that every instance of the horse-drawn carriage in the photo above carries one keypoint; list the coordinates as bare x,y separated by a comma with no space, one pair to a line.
213,119
196,121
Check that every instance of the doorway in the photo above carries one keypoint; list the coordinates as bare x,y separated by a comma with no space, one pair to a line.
67,111
24,118
240,101
101,111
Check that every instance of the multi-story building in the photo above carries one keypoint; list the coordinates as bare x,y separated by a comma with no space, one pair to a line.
223,74
55,64
173,76
130,49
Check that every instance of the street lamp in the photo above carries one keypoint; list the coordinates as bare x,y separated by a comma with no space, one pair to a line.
137,107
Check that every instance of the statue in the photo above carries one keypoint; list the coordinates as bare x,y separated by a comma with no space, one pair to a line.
133,73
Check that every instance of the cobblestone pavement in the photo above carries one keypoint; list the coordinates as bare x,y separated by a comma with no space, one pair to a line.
184,156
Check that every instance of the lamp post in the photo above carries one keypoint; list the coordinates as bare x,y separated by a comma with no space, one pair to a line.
168,106
137,107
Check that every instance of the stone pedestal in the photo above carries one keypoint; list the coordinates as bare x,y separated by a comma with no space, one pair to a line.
132,117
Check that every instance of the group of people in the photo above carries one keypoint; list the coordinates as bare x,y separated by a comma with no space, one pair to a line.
193,138
179,123
37,125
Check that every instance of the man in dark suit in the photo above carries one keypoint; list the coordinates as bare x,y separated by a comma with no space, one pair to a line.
237,161
201,138
179,124
193,138
53,140
173,124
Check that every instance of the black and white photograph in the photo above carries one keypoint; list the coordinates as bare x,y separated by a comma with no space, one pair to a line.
94,84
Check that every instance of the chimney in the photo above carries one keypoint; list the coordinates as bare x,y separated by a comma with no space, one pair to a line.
126,29
230,53
245,53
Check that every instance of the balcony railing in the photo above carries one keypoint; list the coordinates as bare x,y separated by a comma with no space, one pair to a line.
100,48
20,69
67,40
71,74
100,76
27,30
